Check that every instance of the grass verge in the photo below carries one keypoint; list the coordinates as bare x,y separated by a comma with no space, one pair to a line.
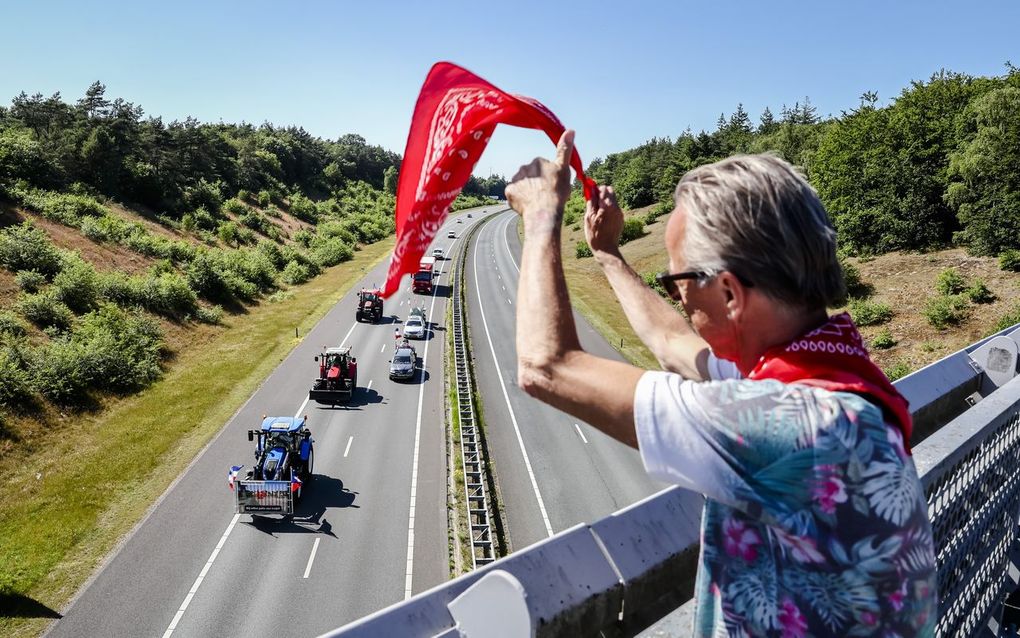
68,500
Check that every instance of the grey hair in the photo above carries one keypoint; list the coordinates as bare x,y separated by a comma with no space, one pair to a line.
757,217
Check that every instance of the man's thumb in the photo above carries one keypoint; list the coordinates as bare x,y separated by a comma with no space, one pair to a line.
565,148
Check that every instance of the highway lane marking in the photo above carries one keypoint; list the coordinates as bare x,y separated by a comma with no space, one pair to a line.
579,433
223,539
508,301
348,448
383,349
315,548
370,381
198,581
409,574
506,242
506,397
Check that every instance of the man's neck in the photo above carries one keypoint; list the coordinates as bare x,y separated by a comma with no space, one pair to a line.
774,326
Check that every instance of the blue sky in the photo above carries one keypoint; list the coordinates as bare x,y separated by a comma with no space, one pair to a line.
619,73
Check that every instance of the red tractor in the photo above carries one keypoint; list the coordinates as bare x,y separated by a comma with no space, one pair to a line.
370,305
338,377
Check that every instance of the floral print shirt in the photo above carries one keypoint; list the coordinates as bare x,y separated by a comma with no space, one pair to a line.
815,522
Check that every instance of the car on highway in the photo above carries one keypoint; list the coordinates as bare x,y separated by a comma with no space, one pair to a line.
402,364
460,221
469,215
437,253
414,327
451,235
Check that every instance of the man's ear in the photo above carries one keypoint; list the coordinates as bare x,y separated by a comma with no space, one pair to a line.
735,295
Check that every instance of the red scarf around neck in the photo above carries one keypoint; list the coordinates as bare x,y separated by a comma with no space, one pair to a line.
833,357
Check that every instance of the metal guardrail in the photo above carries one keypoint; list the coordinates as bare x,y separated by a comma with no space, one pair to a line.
471,453
614,574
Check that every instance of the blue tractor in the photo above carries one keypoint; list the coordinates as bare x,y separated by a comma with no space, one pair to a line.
283,467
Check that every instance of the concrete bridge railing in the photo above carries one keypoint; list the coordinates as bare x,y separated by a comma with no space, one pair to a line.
621,574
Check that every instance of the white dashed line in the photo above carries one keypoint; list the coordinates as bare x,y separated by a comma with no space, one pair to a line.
383,348
201,577
370,381
311,557
576,427
348,448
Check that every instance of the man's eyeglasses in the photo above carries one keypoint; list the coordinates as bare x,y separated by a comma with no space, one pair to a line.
669,280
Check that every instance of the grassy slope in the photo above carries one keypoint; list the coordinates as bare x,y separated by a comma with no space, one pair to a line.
68,500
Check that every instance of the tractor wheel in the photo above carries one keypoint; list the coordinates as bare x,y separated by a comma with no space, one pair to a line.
307,468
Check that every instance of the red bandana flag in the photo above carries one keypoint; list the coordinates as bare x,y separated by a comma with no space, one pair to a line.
456,113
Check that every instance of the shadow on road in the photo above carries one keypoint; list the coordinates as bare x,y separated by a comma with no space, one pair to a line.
321,495
21,606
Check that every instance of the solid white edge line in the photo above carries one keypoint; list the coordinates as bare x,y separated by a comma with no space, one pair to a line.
223,539
348,448
580,433
506,397
198,581
506,242
311,557
409,574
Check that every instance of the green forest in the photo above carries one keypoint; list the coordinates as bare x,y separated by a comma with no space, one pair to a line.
938,166
221,192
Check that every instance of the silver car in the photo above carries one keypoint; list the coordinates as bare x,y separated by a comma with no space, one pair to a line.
414,327
403,363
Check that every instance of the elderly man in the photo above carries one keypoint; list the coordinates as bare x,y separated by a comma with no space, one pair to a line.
815,522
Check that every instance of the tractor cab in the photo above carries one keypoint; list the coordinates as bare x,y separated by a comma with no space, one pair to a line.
338,376
370,305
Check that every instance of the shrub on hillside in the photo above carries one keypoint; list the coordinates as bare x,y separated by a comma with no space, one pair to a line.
1008,320
11,325
45,310
264,199
303,208
30,280
62,371
256,221
77,284
1010,260
653,283
246,237
211,315
205,277
234,206
979,293
898,370
330,252
883,340
869,313
328,230
273,253
204,220
946,310
124,347
167,294
205,195
633,228
243,195
582,249
15,381
950,282
25,247
227,232
303,237
295,273
63,208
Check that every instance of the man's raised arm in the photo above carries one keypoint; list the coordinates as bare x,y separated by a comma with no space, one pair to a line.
551,366
657,323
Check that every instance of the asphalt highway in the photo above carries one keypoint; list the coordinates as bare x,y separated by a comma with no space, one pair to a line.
553,471
370,531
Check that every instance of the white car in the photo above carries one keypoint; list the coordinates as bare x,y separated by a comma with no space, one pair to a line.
414,327
437,253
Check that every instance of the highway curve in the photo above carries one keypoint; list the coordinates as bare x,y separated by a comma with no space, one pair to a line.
553,470
193,568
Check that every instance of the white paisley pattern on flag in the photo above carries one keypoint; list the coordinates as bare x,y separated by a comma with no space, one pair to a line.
453,120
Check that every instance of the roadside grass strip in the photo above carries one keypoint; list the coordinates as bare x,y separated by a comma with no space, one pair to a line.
68,503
